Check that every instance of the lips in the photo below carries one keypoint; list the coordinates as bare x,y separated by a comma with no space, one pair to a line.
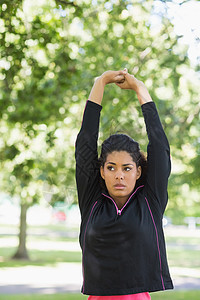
119,186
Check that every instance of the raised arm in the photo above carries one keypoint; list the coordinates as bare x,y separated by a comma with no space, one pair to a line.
132,83
158,150
158,157
96,94
87,168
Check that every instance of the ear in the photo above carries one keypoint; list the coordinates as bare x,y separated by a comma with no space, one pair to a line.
102,172
139,172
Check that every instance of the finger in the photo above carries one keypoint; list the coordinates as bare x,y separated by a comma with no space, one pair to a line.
129,76
120,81
119,77
122,72
118,84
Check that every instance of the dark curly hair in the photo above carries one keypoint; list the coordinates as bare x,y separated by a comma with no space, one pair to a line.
123,142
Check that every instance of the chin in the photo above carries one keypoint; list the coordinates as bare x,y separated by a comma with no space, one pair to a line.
120,194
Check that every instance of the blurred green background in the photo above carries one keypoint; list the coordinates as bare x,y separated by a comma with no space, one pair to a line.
50,53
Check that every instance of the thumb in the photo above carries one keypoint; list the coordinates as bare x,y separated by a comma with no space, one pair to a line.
123,72
128,76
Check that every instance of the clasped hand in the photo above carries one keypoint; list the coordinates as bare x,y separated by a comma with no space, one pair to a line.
122,79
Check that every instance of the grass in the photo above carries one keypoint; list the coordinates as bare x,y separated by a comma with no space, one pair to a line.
181,241
183,251
169,295
184,259
38,258
180,295
53,233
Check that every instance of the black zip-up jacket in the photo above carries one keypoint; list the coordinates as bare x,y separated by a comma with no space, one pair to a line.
123,250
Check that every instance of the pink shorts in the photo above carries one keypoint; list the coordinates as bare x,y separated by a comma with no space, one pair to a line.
140,296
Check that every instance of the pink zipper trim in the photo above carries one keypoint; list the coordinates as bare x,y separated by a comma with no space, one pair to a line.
84,245
119,211
157,242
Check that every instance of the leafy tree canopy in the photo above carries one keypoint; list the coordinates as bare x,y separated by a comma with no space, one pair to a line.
51,51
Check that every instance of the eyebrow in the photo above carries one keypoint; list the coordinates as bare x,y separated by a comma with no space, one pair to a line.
124,165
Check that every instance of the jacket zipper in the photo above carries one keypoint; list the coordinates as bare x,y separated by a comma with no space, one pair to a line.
119,211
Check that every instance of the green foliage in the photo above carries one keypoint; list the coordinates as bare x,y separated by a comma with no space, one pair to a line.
51,51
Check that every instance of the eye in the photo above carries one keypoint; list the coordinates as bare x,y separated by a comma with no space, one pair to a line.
110,168
127,169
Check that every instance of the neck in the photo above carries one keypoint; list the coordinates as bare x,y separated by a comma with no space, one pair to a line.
120,201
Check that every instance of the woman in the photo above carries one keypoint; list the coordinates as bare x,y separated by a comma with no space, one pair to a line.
121,234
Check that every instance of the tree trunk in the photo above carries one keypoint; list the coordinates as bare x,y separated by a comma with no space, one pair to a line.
22,252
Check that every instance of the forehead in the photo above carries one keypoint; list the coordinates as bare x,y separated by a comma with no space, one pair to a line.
120,157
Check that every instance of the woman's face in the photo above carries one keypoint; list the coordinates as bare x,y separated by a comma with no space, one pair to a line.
120,174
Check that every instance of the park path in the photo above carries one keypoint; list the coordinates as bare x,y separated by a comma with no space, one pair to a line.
67,277
64,278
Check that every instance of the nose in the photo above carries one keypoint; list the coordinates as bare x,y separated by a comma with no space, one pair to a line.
119,175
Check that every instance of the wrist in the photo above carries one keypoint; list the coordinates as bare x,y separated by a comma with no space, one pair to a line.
143,96
102,80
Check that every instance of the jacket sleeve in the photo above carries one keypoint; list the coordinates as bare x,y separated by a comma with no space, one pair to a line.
87,166
158,156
